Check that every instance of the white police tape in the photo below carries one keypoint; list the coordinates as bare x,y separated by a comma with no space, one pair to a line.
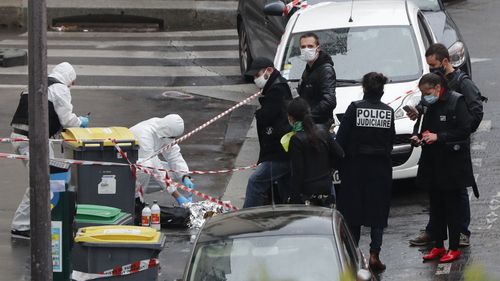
128,269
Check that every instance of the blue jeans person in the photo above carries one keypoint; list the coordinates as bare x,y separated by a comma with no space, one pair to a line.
261,182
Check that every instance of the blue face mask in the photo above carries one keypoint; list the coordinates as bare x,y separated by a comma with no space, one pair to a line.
430,99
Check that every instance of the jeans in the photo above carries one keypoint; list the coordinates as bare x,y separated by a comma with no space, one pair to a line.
262,180
464,206
376,234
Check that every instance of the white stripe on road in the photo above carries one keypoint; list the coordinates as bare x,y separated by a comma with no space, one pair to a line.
474,60
484,126
479,145
141,54
141,71
108,44
443,268
478,162
197,33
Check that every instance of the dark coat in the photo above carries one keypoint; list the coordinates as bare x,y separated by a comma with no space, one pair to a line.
366,172
272,118
446,164
317,87
461,83
312,165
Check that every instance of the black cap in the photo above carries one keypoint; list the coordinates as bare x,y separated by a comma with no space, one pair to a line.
258,64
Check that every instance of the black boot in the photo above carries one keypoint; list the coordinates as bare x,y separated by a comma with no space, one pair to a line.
375,264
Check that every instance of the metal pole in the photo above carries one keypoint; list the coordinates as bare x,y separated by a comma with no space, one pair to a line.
41,247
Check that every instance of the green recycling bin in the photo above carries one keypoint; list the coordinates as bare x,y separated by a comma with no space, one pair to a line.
107,185
62,215
95,215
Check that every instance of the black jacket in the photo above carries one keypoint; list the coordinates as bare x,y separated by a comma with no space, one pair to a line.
446,164
317,87
366,133
461,83
312,166
272,118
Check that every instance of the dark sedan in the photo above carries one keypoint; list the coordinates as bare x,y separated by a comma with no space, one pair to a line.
287,242
259,34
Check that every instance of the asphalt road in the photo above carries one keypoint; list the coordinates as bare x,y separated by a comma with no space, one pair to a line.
133,92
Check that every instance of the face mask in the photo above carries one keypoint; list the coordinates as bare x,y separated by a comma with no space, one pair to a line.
438,70
261,81
430,99
308,54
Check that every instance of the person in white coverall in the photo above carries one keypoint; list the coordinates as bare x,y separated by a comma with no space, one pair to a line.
152,135
61,116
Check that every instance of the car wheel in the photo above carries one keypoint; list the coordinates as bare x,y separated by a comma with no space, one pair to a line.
245,56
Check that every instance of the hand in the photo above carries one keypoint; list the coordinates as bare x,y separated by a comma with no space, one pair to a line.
187,182
415,141
412,113
84,121
429,137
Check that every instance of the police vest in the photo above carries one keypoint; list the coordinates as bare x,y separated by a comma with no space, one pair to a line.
372,131
22,113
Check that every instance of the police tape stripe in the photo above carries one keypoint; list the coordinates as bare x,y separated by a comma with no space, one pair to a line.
128,269
206,124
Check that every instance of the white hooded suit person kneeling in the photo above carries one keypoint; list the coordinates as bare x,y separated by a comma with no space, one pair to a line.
153,134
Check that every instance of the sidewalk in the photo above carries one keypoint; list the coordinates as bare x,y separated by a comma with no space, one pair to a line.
173,14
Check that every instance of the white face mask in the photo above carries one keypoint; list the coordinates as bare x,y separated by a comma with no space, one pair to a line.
308,54
261,81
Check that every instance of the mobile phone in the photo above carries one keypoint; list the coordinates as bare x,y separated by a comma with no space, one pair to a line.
407,108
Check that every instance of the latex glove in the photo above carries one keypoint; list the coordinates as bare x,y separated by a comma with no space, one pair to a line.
84,121
187,182
182,200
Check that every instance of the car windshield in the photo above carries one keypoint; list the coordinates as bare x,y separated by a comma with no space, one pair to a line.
427,5
290,258
356,51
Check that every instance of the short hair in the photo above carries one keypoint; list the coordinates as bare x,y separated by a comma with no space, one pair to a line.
310,34
373,84
430,79
439,51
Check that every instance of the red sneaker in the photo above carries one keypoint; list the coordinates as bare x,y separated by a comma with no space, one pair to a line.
450,256
435,253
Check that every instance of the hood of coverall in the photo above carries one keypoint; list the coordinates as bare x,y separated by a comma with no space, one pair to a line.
64,72
169,126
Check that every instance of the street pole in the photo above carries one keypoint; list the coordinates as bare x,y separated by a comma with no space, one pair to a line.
40,220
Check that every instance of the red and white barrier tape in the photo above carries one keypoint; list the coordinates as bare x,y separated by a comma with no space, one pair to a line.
223,171
401,96
206,124
128,269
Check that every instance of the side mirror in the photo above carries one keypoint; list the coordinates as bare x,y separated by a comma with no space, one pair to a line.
363,275
274,8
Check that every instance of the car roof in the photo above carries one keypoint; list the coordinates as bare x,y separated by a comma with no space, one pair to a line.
268,221
364,13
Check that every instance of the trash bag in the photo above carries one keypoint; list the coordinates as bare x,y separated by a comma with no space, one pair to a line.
174,216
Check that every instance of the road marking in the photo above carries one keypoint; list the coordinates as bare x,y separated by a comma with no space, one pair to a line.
474,60
479,145
141,54
484,126
478,162
140,71
139,43
443,269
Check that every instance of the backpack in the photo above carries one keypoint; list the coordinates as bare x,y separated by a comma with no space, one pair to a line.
457,84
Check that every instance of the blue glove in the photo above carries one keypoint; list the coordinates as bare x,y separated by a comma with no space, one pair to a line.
181,200
84,121
187,182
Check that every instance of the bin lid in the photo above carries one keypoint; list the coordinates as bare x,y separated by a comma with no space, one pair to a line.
114,234
79,137
98,214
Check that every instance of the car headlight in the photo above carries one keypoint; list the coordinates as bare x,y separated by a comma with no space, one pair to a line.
457,54
412,99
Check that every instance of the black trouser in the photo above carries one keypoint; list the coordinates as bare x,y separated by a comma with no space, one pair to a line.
445,216
464,217
376,234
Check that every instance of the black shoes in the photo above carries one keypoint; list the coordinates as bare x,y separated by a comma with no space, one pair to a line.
20,234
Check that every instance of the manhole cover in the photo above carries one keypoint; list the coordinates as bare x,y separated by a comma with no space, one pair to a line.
177,95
